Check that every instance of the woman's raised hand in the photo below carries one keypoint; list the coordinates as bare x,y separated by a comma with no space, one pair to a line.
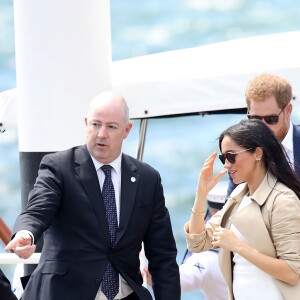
207,180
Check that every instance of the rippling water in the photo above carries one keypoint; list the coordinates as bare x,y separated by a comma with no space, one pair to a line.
176,147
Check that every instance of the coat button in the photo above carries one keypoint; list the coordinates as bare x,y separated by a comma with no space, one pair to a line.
97,281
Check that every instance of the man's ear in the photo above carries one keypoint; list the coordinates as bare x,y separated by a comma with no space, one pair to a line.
289,108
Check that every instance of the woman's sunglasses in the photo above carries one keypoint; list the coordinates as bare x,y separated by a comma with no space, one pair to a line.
270,119
230,156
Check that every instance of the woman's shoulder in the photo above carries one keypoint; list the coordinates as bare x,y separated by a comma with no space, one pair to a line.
282,199
281,189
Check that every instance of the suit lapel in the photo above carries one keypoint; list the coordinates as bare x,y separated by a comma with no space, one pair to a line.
296,148
87,175
129,184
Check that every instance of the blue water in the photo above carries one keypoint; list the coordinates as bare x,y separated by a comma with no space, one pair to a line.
176,147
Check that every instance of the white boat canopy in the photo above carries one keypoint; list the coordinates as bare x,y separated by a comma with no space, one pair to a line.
205,79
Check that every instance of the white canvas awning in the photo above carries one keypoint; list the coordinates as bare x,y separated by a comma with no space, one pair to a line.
203,79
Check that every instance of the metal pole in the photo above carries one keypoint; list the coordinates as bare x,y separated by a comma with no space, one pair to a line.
142,138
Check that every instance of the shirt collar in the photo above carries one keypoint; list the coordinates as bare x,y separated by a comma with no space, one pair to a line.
288,140
116,164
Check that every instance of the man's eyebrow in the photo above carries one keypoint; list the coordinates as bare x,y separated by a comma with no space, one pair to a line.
113,123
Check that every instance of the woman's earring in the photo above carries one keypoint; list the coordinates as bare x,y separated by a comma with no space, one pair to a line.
257,158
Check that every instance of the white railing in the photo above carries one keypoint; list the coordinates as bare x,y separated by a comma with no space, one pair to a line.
11,258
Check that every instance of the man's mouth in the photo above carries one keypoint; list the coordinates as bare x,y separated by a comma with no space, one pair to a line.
101,145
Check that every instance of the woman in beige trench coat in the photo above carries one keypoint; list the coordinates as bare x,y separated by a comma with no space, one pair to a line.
258,230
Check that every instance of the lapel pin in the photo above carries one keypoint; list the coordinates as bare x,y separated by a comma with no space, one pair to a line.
133,179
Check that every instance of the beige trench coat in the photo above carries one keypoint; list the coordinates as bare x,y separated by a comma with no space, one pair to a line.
271,224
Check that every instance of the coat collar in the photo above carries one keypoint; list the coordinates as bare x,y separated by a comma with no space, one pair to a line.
262,192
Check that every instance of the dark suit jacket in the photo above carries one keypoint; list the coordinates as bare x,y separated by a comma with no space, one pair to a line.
296,148
5,288
66,205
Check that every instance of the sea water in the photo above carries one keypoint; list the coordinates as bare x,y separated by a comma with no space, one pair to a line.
176,147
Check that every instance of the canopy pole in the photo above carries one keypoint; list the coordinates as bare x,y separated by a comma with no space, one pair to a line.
142,138
140,153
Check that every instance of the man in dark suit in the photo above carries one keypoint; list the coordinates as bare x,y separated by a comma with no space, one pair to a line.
269,98
67,206
5,288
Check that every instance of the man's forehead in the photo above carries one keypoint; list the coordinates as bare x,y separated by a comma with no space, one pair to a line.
269,103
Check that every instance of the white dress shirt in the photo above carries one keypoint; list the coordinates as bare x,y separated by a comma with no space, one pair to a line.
124,288
288,144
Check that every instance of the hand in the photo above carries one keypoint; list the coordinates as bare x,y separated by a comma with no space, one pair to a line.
226,239
207,180
21,245
145,271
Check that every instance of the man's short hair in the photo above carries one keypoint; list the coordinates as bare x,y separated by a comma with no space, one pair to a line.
266,85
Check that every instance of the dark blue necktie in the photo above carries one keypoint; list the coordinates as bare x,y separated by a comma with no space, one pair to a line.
110,282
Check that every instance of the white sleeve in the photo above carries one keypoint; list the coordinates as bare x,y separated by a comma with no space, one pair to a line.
29,232
193,272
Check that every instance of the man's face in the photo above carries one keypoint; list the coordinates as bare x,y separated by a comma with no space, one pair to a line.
106,128
269,107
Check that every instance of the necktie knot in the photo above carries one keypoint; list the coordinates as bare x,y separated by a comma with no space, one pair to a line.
107,170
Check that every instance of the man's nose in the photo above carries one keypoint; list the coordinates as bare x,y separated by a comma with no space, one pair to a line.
102,132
